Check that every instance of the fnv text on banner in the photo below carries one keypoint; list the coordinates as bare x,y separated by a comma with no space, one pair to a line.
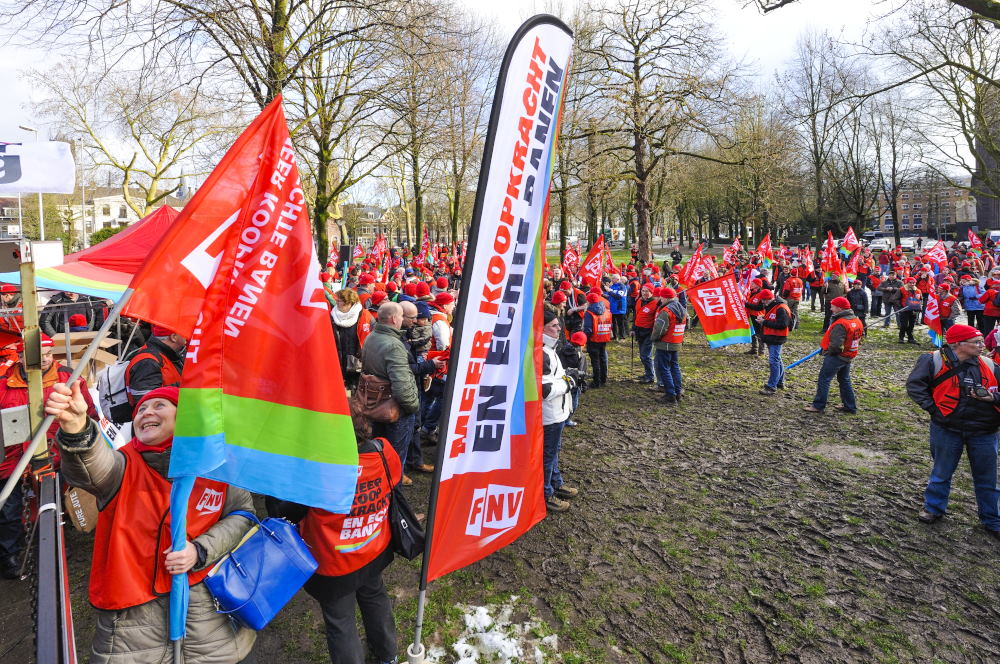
29,168
490,489
720,310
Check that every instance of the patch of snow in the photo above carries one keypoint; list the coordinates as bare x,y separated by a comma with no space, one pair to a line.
490,636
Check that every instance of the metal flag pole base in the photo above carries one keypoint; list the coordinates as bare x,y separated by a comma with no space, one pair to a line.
38,438
415,651
179,651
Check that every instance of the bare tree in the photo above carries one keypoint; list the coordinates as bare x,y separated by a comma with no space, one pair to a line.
989,9
895,146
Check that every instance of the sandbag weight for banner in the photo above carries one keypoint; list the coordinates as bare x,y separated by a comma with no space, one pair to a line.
345,254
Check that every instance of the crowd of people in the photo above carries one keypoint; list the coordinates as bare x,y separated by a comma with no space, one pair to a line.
393,322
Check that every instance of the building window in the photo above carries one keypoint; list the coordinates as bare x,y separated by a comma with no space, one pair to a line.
889,227
917,225
906,206
906,227
906,218
918,217
106,210
906,196
917,206
947,218
121,212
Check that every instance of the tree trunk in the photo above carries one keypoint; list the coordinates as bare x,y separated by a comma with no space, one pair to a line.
277,68
641,197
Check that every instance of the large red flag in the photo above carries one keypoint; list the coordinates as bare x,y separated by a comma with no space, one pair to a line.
937,254
687,274
721,312
592,267
571,260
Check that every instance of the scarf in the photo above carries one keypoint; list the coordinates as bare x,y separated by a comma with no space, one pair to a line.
346,318
159,447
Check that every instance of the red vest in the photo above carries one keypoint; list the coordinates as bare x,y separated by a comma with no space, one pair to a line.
170,374
600,326
343,543
645,314
364,327
946,305
772,314
947,394
134,529
852,342
675,328
793,288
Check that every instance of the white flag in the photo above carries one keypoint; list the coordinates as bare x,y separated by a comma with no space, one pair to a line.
29,168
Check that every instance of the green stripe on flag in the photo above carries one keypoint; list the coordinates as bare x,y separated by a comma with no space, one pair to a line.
726,334
267,426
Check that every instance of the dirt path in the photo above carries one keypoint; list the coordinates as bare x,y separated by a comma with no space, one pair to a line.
731,528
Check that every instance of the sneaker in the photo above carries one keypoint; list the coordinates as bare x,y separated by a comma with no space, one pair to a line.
677,397
669,399
570,423
406,481
645,380
929,517
10,567
567,491
811,409
995,534
423,468
769,391
845,409
554,504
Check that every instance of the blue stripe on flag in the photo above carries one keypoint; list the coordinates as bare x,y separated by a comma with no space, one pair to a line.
326,485
729,341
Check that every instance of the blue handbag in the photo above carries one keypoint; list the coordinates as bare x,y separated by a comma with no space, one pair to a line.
257,578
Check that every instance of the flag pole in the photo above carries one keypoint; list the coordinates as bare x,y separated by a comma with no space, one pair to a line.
38,437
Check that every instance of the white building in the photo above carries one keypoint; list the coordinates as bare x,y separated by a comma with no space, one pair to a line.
105,207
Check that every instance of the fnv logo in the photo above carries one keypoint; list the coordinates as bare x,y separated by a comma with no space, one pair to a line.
210,501
495,510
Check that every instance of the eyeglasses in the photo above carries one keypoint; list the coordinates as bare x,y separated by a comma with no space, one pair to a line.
974,342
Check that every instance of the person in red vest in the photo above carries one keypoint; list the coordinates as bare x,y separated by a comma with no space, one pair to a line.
775,325
755,309
957,386
14,393
352,551
668,336
947,308
12,311
991,300
792,291
839,346
597,323
130,571
642,327
157,364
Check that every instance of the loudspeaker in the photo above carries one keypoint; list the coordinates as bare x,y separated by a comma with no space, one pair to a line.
345,255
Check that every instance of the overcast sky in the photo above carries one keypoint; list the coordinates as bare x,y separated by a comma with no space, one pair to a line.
767,41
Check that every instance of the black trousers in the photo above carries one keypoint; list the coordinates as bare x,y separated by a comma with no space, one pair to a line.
976,319
598,361
337,597
618,326
907,319
11,528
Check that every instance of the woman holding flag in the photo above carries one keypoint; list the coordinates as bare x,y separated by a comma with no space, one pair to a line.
130,574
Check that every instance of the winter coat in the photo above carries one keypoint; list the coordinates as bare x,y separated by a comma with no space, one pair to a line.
385,356
970,414
970,297
833,289
139,634
782,321
890,289
617,296
859,301
663,320
60,307
557,402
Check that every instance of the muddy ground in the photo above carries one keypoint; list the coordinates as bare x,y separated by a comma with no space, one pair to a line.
731,528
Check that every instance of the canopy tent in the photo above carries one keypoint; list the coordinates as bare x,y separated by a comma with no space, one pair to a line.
106,269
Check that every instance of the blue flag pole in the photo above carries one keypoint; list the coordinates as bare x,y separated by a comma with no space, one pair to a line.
180,492
804,359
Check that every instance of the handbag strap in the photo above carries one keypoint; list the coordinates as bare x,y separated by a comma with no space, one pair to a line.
377,443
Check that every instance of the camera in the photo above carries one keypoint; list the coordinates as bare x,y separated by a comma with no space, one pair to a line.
981,392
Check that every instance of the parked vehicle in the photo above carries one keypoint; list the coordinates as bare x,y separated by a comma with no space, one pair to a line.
879,243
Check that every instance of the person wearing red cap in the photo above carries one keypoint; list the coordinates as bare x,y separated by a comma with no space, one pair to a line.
13,394
642,327
832,289
574,362
947,306
791,291
991,305
156,364
668,336
12,312
912,304
957,386
755,309
839,346
597,325
891,289
775,325
131,570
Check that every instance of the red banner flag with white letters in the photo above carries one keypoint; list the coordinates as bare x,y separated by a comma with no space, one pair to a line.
592,267
720,311
571,260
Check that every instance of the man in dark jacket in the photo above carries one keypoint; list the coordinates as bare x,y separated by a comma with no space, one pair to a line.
668,337
775,324
891,289
597,324
417,341
858,298
958,388
384,356
61,306
157,364
832,289
839,347
642,328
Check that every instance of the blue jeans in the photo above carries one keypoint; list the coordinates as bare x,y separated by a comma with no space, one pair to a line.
668,367
834,365
398,433
946,451
552,442
777,368
646,354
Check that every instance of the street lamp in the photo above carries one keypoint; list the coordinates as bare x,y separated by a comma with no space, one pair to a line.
41,212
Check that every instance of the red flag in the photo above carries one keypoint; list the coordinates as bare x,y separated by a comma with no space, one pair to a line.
571,260
708,262
937,254
609,263
975,243
730,253
593,267
359,252
830,263
686,277
932,317
721,312
850,242
765,252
